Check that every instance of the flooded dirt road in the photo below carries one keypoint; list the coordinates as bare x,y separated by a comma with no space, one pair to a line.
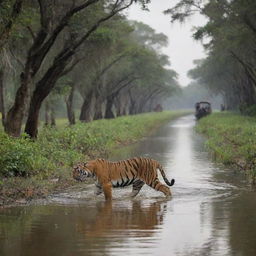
212,211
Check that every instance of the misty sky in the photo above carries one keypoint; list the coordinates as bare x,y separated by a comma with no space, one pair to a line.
182,49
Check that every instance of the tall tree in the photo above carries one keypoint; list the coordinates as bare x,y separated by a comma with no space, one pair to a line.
230,67
9,12
43,42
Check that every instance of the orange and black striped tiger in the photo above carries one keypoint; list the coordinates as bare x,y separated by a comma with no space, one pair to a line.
135,171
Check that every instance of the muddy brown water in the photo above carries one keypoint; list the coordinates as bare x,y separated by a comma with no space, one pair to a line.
212,211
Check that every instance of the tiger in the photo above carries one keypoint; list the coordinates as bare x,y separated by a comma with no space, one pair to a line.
135,171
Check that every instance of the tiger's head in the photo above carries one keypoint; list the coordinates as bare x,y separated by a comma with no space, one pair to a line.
81,172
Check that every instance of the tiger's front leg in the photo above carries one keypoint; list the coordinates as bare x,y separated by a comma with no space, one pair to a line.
107,189
98,189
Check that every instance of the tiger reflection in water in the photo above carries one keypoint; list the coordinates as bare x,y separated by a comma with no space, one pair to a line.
111,217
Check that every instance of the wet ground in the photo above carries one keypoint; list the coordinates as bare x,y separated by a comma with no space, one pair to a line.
212,211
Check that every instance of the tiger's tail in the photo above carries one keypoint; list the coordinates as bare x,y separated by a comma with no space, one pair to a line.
165,178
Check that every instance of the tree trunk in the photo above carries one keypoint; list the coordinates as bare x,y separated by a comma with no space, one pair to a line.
43,88
32,122
86,110
53,120
118,106
2,108
132,107
98,108
122,104
69,104
46,114
109,113
98,112
15,115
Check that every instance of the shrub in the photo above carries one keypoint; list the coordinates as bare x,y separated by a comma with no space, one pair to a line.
56,150
20,157
250,110
232,138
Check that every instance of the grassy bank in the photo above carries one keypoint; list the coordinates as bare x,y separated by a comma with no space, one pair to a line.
232,139
34,169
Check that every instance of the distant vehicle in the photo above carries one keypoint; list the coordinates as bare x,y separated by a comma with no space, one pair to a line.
203,108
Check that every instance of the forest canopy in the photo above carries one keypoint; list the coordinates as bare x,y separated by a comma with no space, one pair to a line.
86,50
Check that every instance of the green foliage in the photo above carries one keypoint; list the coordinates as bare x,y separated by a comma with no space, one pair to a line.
248,110
21,157
145,35
232,138
56,150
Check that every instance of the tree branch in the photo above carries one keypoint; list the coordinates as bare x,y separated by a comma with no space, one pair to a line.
94,27
72,66
31,32
39,48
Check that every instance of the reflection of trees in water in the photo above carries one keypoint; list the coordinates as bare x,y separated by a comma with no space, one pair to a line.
14,222
237,216
232,227
80,230
242,224
214,231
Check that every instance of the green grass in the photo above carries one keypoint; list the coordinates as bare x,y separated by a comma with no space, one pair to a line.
232,139
29,168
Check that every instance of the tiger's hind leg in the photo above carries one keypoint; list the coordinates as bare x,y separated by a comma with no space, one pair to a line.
136,187
158,186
